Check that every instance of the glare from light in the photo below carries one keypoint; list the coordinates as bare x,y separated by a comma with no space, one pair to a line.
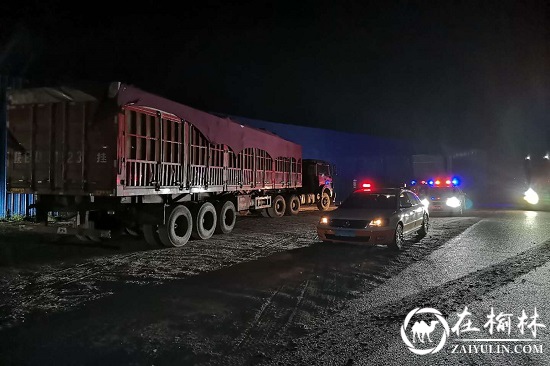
453,202
531,196
528,157
425,202
530,219
530,214
547,156
324,220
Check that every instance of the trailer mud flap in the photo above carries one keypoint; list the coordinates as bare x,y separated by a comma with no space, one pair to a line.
151,213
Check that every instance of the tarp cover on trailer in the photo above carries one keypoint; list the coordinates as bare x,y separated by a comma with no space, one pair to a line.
217,130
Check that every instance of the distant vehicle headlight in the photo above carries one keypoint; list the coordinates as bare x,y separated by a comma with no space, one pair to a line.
425,202
453,202
531,196
378,222
324,220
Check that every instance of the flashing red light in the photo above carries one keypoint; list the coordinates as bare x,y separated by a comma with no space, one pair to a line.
437,182
448,181
366,185
423,182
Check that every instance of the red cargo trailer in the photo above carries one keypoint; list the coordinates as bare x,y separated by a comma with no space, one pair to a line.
122,157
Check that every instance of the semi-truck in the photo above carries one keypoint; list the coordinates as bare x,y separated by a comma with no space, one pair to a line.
120,158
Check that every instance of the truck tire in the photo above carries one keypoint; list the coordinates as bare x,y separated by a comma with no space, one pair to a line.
278,207
292,205
205,221
324,201
151,236
227,217
178,227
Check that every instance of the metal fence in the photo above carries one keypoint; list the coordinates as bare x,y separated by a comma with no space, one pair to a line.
10,204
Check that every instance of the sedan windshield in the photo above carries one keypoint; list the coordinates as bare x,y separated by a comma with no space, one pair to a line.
370,201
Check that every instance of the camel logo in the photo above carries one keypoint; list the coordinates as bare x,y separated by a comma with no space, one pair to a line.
421,331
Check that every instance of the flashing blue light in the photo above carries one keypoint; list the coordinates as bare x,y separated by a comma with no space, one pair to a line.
455,181
431,182
413,182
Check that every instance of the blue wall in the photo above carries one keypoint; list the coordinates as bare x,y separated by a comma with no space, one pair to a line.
356,156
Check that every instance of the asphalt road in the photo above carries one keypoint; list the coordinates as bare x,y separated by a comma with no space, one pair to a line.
269,293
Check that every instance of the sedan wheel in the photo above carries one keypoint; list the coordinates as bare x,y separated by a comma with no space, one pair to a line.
423,231
397,243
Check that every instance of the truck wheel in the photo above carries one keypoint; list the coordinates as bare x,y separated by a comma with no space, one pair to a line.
324,202
278,207
151,235
205,222
227,217
177,230
292,205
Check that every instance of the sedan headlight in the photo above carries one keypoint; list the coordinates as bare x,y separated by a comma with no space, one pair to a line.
378,222
324,220
453,202
531,196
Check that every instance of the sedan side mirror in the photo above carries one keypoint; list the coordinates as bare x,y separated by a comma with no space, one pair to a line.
406,205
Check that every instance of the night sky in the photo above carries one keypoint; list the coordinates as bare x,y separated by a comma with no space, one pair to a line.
451,74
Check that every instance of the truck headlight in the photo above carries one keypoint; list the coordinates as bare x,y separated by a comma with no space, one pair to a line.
324,220
453,202
531,196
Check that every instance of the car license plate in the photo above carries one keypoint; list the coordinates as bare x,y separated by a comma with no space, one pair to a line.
345,233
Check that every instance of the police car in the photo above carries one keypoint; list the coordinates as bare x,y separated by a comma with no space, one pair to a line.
441,195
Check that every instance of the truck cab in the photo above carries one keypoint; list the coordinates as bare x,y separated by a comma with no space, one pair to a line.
317,183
